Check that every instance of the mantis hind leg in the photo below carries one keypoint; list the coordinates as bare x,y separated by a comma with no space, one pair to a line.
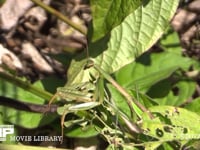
62,124
50,102
52,99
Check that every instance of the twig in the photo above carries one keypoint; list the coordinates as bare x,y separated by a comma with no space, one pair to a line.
60,16
5,101
25,85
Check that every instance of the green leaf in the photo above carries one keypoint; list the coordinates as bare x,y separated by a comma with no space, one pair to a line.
135,35
178,95
119,100
171,123
170,42
12,91
82,132
194,106
150,69
160,89
144,99
107,14
24,84
23,118
152,145
55,82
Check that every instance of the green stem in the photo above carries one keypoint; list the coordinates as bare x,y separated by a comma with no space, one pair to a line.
60,16
25,85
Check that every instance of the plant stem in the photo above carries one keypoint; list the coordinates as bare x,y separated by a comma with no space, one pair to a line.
60,16
123,92
25,85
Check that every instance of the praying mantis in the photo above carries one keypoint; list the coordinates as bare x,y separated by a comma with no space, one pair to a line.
88,95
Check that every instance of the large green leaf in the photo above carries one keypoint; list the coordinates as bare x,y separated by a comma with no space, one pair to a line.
108,14
150,69
135,35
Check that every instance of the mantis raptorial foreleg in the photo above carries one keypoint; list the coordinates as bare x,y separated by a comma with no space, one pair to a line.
79,92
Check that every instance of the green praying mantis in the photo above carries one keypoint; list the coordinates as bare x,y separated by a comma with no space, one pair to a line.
88,95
